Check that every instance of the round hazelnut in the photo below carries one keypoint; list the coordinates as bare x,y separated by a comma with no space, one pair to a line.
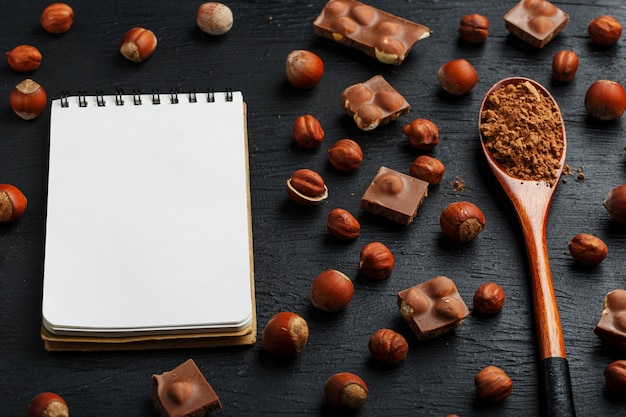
587,249
428,169
306,187
57,18
605,100
564,66
24,58
47,404
346,390
214,18
615,377
376,261
345,155
488,298
304,69
457,77
343,225
604,30
138,44
12,203
422,134
285,334
461,221
331,291
615,203
388,346
28,99
308,132
474,28
492,384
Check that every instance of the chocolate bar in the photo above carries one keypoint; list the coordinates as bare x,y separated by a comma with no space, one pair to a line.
379,34
394,195
373,103
535,21
612,325
432,308
183,392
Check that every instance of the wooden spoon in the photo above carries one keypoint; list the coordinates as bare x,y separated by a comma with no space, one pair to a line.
531,201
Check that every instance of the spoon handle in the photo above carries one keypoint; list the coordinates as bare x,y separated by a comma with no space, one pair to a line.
558,398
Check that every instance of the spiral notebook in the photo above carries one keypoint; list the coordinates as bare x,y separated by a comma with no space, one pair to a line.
148,231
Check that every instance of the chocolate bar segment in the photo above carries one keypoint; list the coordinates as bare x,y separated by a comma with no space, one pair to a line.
382,35
183,392
432,308
535,21
394,195
611,328
373,103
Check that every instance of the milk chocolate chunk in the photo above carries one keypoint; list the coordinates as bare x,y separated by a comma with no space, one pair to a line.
394,195
183,392
611,328
432,308
535,21
373,103
379,34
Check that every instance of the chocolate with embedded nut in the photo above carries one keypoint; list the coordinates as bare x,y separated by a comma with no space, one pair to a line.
611,327
382,35
535,21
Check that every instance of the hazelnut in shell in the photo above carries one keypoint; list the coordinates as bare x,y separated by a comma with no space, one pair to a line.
285,334
12,203
28,99
346,390
331,291
457,77
461,221
388,346
47,404
488,298
605,100
214,18
138,44
304,69
615,203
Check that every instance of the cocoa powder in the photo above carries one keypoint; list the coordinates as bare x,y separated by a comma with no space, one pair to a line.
522,129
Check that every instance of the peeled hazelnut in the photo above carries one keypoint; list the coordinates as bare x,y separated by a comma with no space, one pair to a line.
308,132
615,203
376,261
47,404
605,100
12,203
346,390
343,225
345,155
461,221
28,99
306,187
388,346
588,249
24,58
304,69
492,384
285,334
604,30
457,77
474,28
615,376
428,169
138,44
57,18
422,134
488,298
214,18
564,66
331,291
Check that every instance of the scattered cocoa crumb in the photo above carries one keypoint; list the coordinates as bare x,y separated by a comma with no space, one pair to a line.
458,184
567,170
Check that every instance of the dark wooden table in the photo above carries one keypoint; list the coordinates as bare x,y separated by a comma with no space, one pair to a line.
291,244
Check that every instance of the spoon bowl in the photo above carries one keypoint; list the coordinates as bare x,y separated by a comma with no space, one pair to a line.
531,198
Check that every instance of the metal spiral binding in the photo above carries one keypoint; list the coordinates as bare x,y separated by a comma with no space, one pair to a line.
100,98
211,96
64,101
119,97
192,96
137,97
229,94
173,96
155,95
82,99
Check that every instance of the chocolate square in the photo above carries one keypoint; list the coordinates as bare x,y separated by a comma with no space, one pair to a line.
611,328
535,21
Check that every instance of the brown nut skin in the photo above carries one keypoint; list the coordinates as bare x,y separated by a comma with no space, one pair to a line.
461,221
12,203
492,384
615,203
24,58
376,261
304,69
427,168
28,99
57,18
615,377
285,334
488,298
388,346
346,390
47,404
306,187
604,30
457,77
587,249
474,28
345,155
138,44
605,100
308,132
343,225
564,66
331,291
422,134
